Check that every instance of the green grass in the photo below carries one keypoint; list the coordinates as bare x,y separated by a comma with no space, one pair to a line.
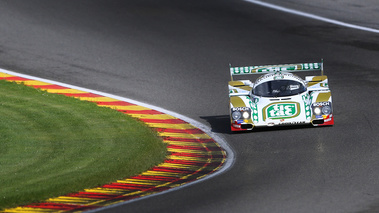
51,145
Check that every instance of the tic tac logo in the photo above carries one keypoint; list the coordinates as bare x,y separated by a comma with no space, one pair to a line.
282,110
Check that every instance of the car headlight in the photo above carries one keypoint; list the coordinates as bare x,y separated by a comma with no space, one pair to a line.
236,115
245,115
322,108
317,111
326,110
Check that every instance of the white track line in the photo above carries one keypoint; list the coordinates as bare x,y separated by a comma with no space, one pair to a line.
312,16
230,156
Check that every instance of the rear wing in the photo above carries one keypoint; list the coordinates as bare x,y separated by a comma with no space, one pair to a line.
276,68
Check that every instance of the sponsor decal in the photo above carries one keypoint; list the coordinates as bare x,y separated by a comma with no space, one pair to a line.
254,108
236,126
317,104
240,109
294,87
275,68
281,110
278,76
292,123
319,117
307,107
324,85
264,77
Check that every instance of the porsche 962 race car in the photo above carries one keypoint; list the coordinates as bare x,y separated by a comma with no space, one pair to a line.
279,97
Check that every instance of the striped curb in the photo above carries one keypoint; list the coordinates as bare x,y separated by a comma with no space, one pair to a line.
192,154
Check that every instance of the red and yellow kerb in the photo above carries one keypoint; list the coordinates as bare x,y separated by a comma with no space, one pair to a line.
192,155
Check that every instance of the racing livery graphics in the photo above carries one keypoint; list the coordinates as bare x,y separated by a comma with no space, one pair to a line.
279,97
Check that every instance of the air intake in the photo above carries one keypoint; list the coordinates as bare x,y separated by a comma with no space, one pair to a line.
318,121
246,126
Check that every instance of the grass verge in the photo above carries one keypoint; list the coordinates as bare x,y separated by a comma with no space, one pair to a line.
51,145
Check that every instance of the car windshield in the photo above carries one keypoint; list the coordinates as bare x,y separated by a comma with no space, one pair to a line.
279,88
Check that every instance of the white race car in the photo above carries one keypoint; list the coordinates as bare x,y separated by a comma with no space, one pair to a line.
279,97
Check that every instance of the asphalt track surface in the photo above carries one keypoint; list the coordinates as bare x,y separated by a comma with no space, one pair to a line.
175,54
